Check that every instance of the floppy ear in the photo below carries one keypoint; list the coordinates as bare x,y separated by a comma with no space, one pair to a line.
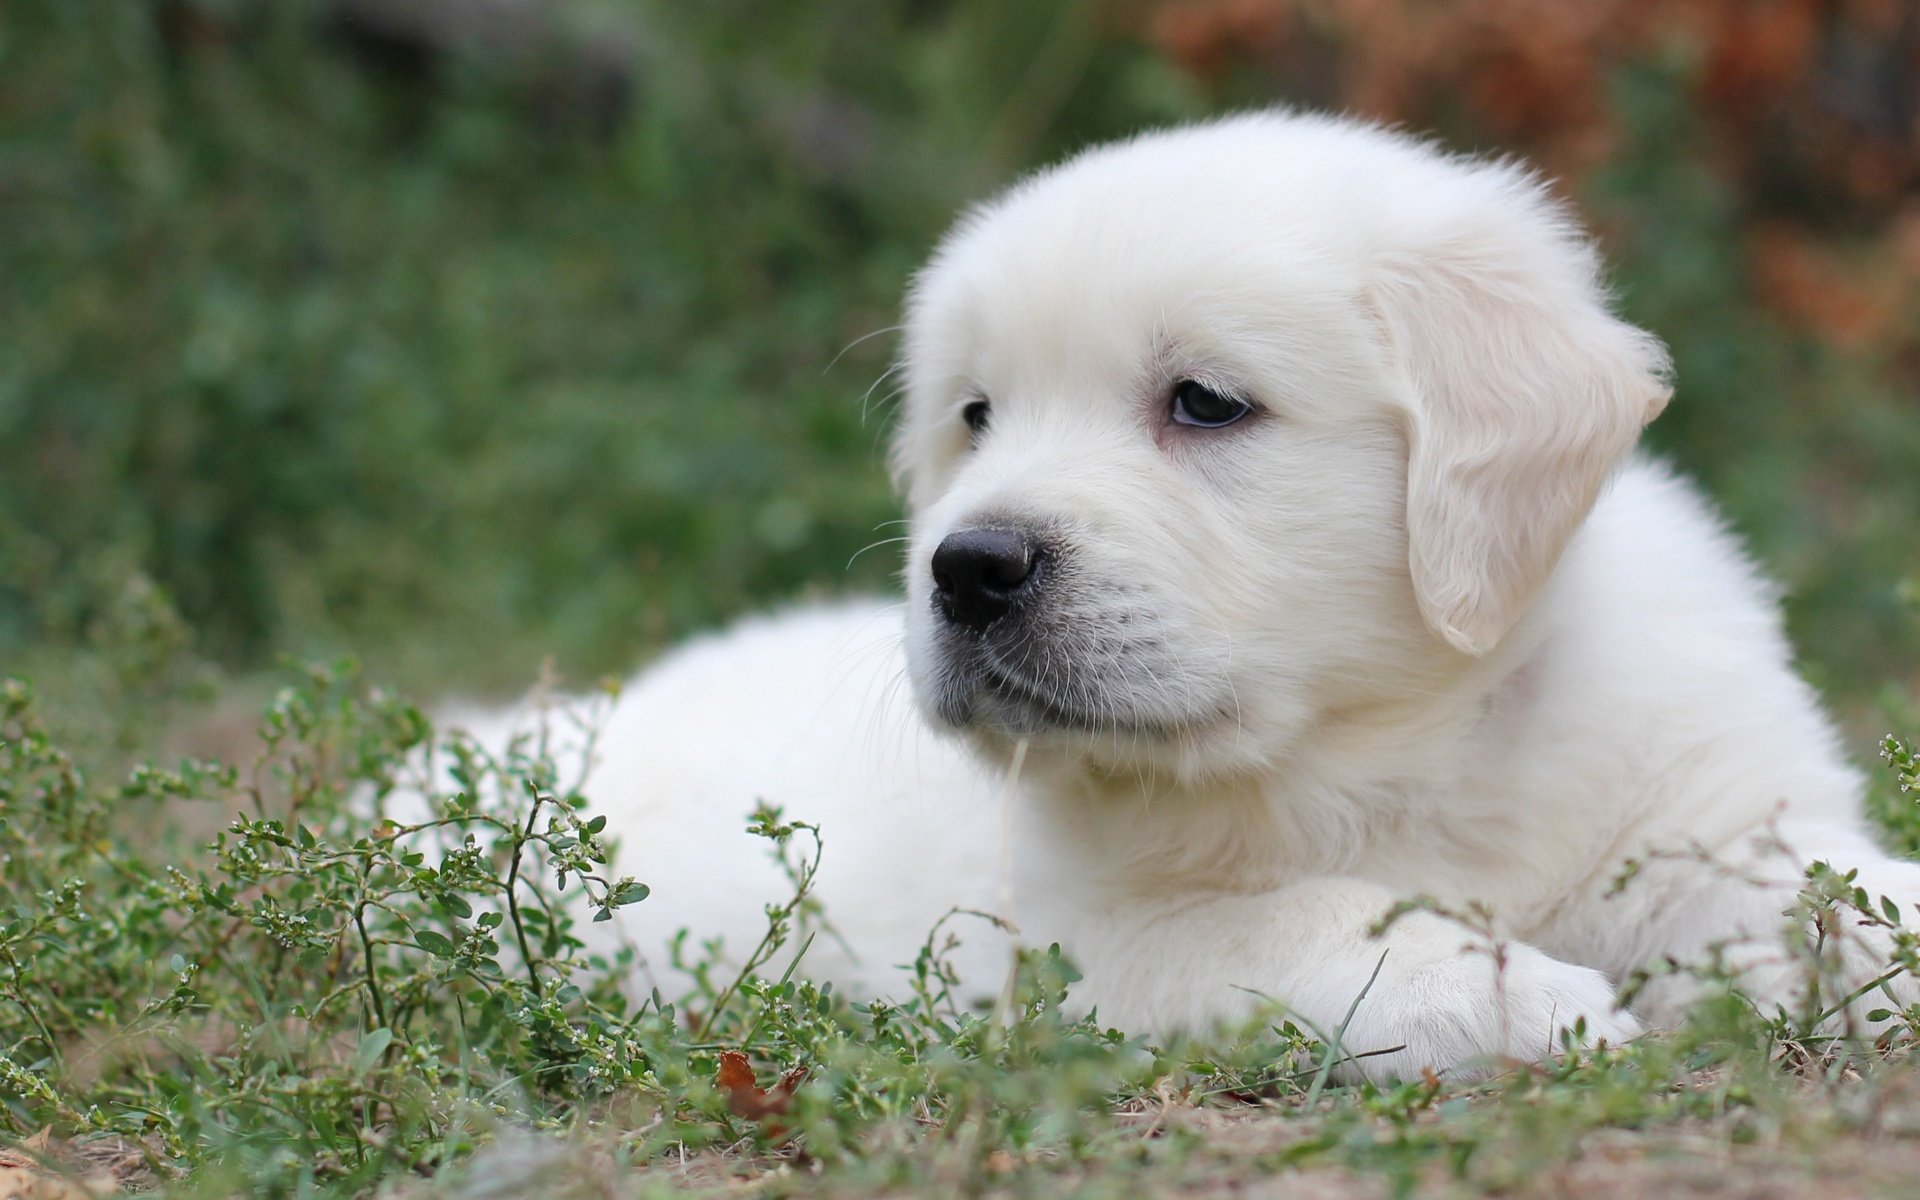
1523,390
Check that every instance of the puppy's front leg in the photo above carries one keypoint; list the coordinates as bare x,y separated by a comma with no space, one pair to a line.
1188,962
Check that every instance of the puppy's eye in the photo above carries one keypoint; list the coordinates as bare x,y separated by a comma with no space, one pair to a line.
975,415
1198,405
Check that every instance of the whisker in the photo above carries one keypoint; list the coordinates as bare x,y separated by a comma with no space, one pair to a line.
867,395
865,337
874,546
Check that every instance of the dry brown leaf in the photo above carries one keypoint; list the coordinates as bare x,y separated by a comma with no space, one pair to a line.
37,1169
745,1097
24,1177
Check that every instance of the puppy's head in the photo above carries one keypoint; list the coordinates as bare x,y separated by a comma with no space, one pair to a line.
1213,433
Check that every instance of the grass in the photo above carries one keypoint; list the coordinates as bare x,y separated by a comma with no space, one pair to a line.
378,978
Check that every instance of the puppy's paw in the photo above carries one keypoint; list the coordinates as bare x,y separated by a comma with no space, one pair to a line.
1538,996
1465,1019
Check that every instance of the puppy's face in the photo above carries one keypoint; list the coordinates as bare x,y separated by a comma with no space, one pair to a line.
1207,436
1146,529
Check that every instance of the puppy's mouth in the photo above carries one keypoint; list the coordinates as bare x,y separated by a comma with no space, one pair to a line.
981,691
1024,707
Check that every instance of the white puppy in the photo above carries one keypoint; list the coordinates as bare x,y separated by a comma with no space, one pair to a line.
1270,488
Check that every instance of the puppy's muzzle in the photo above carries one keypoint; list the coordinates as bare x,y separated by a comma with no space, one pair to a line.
979,575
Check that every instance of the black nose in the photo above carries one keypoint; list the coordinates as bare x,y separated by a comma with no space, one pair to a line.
977,574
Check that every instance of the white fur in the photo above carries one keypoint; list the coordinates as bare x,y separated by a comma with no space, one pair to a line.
1418,628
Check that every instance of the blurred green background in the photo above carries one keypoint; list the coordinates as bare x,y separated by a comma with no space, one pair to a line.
459,334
